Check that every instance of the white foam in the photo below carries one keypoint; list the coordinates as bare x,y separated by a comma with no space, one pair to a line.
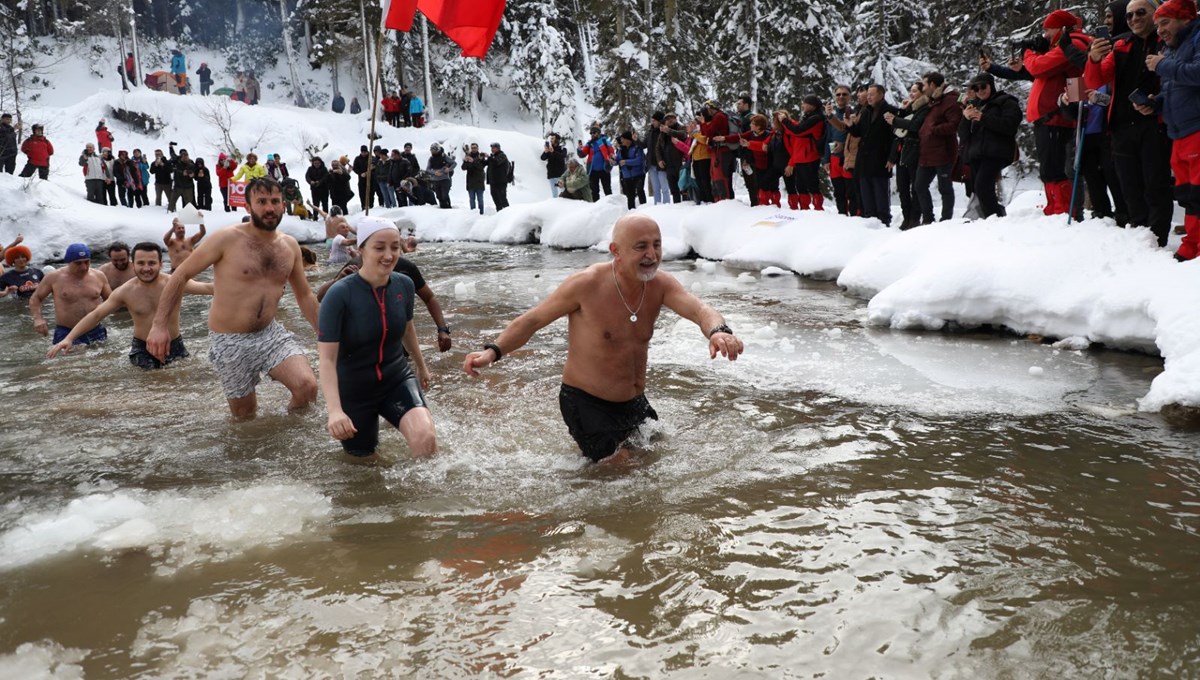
178,529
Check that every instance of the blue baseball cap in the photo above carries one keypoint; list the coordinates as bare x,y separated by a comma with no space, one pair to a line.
77,251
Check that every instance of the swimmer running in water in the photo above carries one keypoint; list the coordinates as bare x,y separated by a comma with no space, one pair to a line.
365,328
141,299
252,263
77,290
611,309
179,245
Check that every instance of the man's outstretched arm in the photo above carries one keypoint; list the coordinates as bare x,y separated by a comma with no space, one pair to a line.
681,301
560,303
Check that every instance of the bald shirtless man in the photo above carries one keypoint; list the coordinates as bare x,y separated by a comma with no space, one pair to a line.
179,245
117,269
77,290
611,309
252,262
141,299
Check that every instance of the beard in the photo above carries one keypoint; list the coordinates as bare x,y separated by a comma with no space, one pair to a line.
645,276
120,267
266,223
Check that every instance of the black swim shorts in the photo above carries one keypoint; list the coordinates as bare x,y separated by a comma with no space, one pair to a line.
366,401
602,427
141,357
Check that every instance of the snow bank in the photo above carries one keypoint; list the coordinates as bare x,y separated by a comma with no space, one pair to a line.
1090,282
177,528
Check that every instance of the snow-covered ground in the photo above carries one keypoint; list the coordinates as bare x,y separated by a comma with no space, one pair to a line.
1085,283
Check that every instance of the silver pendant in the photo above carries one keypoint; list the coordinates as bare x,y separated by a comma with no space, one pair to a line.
633,318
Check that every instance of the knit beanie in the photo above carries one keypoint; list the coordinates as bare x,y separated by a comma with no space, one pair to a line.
1061,18
1184,10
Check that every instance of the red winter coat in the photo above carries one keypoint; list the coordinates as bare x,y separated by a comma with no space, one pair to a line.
224,173
803,138
39,150
129,66
757,143
717,127
104,138
1050,72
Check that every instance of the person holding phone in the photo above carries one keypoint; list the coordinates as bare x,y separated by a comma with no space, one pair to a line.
1053,130
555,157
1140,147
1179,102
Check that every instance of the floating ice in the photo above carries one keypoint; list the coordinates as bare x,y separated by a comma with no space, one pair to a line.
774,271
464,290
1037,371
180,528
746,277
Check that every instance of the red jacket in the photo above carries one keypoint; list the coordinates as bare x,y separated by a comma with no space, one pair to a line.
129,66
104,139
803,138
39,150
717,127
757,143
1050,72
224,173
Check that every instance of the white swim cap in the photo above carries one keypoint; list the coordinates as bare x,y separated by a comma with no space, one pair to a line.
370,225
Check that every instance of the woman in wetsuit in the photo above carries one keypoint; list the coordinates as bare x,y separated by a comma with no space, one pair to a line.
365,326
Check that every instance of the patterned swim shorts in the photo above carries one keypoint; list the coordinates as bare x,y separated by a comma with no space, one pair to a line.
240,359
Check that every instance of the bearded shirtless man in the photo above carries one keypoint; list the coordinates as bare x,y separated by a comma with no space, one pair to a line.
77,290
141,299
252,263
611,309
117,269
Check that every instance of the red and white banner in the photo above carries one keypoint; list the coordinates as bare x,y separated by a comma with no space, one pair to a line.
471,24
237,194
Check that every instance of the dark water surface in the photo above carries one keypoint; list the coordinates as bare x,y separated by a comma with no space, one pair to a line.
843,502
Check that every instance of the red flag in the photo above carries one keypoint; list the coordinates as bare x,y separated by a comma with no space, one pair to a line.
471,24
399,14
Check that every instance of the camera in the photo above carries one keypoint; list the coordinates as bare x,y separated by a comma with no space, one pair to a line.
1039,44
1102,99
975,103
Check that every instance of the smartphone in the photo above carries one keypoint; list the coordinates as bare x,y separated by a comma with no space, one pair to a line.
1139,98
1074,90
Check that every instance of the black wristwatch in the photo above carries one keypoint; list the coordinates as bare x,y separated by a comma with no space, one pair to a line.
720,329
444,329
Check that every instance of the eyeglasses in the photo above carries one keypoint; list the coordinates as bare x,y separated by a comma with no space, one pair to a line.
1139,12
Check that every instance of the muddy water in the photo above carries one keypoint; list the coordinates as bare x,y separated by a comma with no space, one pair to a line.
842,502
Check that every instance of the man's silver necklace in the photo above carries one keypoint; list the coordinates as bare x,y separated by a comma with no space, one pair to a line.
632,312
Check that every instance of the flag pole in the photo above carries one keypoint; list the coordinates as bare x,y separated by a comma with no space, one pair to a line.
366,201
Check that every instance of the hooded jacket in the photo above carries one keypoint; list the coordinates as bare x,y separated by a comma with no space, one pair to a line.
1180,73
1050,72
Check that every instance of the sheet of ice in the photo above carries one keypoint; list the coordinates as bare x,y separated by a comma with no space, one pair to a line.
45,660
179,529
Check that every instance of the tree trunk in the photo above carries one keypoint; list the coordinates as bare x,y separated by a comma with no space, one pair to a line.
308,43
366,43
133,42
297,91
756,42
333,75
121,54
239,24
428,79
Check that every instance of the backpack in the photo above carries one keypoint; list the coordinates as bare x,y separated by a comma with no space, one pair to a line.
735,128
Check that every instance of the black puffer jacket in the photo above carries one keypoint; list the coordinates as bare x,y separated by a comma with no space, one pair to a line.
995,134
